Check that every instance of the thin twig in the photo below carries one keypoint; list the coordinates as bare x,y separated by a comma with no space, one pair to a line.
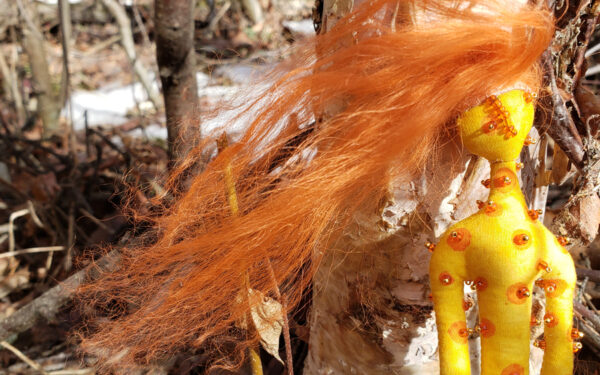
589,302
65,31
23,357
213,22
96,221
117,11
68,261
83,371
31,250
17,214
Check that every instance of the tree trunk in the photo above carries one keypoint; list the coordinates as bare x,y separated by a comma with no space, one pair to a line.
176,61
370,312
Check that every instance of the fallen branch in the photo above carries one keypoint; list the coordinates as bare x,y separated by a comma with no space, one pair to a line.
591,337
587,314
48,305
559,126
593,275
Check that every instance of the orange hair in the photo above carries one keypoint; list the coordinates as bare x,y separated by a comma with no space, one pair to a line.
299,181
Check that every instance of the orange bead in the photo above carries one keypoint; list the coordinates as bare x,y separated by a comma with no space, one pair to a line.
576,334
519,165
456,236
529,97
554,287
521,238
523,292
459,239
489,126
540,344
486,183
491,207
430,246
510,131
529,141
446,278
502,181
480,284
517,293
562,240
467,304
480,204
534,321
543,266
534,214
550,319
577,347
459,332
486,328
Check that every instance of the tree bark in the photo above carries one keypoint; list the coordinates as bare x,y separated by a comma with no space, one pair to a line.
48,107
176,62
370,313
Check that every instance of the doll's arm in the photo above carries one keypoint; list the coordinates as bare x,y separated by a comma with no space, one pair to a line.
447,274
559,285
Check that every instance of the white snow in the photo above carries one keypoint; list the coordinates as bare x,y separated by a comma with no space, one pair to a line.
300,28
111,104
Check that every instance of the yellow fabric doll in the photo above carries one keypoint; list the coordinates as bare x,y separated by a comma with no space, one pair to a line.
501,251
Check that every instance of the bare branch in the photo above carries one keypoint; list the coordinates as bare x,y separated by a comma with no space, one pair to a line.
48,305
120,16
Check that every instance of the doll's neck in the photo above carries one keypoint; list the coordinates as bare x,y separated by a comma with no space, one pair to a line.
504,183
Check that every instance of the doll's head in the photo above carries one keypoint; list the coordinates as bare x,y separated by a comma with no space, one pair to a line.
497,128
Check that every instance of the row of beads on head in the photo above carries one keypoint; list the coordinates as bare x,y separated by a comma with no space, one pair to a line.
500,117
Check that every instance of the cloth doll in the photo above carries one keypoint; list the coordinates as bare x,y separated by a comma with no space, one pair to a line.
501,251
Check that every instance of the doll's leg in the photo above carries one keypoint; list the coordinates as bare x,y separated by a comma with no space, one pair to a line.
559,285
447,274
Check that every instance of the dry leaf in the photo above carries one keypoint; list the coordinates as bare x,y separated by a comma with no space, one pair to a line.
267,318
561,169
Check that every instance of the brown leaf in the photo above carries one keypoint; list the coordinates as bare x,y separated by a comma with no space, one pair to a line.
561,168
581,220
589,107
